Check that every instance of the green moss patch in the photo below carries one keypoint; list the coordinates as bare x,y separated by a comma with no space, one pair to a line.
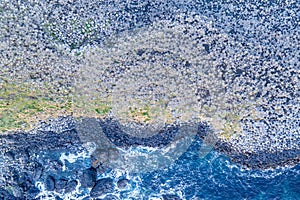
22,106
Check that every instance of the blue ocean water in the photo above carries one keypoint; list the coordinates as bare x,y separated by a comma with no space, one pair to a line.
213,176
216,177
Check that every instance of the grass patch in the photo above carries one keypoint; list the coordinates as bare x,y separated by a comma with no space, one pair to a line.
144,112
22,106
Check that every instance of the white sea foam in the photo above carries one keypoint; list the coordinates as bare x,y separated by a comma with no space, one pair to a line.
71,158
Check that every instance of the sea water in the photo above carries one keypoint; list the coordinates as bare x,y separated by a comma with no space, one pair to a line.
256,41
191,176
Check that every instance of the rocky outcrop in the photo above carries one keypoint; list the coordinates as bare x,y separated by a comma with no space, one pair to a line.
40,162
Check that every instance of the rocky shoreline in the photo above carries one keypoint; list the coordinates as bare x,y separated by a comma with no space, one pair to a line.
260,159
233,64
39,156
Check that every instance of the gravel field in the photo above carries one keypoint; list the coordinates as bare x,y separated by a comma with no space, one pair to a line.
234,66
140,99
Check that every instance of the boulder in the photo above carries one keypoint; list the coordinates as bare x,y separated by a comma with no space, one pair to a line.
88,178
102,186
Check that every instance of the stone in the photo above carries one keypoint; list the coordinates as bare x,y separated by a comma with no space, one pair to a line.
55,165
60,184
140,52
122,183
71,185
113,130
203,129
50,183
5,195
170,197
110,197
23,156
102,186
38,171
17,191
32,193
25,181
10,155
88,178
206,47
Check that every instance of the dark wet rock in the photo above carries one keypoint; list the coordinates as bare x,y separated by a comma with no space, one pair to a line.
25,169
122,183
23,156
32,193
203,129
112,129
10,155
38,171
5,195
259,159
27,163
206,47
17,191
21,142
15,175
88,178
71,185
171,197
97,164
105,156
110,197
50,183
25,181
102,186
60,184
140,52
54,165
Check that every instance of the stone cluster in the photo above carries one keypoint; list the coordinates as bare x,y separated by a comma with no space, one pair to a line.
233,65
